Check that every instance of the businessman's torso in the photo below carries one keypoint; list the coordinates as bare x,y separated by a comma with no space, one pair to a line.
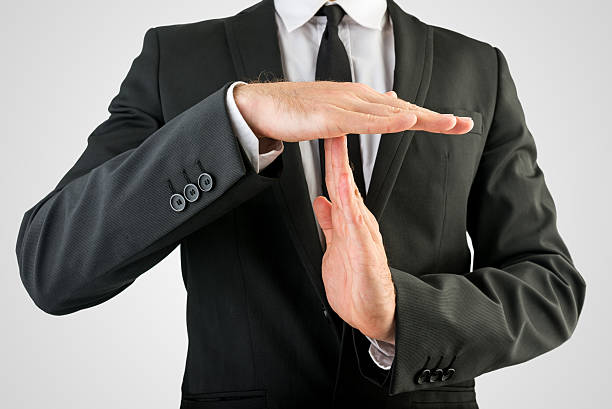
259,326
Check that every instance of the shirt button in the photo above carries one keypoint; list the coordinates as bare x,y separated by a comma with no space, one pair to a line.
326,314
191,192
205,182
177,202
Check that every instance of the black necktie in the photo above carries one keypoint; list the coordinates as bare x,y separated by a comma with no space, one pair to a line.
333,65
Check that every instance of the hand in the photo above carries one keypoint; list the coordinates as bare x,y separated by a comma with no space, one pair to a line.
296,111
356,276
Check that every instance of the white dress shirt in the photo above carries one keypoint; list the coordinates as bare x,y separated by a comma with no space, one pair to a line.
366,32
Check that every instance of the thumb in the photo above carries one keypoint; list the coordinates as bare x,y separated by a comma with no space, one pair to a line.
323,211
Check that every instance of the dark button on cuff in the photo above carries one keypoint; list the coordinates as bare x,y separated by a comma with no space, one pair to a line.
177,202
191,192
448,374
436,375
205,182
423,377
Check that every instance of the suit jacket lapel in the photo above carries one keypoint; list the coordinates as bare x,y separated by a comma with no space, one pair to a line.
253,41
413,65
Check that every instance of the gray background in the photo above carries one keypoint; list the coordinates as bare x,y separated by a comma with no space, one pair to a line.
61,63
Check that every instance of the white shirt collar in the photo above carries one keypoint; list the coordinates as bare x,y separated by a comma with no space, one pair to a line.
295,13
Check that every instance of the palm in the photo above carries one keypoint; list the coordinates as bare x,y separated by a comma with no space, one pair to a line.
355,273
352,284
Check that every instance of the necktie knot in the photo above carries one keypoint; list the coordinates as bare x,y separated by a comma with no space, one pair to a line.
334,14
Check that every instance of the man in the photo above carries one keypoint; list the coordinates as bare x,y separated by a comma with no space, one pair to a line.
321,269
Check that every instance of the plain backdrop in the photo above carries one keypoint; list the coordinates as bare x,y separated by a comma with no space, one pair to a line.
62,61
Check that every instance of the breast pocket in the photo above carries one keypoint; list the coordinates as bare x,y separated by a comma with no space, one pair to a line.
456,156
253,399
426,210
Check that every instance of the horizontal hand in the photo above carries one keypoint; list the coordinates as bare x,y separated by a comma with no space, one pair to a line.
296,111
355,273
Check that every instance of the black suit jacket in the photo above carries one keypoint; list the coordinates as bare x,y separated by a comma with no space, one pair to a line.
261,332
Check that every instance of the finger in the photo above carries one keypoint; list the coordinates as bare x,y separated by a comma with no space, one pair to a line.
387,98
350,219
353,220
427,120
330,181
369,219
367,107
371,224
346,121
344,182
352,203
323,212
464,125
342,169
336,164
437,124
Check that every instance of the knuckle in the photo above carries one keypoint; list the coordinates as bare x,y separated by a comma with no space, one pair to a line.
391,109
345,174
357,194
361,86
358,217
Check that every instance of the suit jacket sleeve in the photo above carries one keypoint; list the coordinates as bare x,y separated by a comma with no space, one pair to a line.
109,219
524,295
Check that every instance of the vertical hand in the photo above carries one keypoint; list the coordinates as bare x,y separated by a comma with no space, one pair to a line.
356,276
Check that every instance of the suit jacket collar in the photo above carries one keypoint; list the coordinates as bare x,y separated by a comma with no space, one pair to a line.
253,42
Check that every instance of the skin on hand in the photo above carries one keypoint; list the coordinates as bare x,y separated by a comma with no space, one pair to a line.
297,111
355,272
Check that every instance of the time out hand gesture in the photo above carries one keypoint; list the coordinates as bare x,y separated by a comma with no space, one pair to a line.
356,276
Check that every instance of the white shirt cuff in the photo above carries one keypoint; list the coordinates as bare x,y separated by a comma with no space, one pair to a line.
251,145
382,353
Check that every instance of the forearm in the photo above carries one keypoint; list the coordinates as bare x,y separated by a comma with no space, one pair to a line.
74,246
524,296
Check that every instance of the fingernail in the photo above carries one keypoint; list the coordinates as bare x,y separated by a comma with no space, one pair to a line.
448,114
465,117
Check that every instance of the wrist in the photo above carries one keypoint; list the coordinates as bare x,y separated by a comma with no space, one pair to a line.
390,337
243,96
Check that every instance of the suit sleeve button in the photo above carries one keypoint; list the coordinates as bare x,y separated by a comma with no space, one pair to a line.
436,375
423,376
177,202
205,182
191,192
448,374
